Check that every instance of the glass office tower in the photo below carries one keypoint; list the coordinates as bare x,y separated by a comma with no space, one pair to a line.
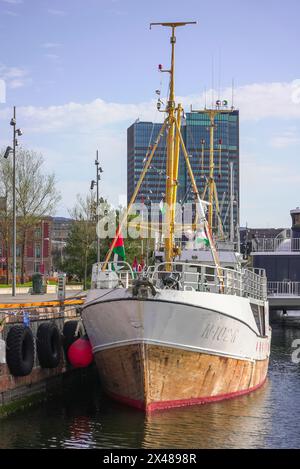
195,130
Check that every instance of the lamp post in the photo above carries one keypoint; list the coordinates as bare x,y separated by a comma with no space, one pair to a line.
42,268
16,132
99,170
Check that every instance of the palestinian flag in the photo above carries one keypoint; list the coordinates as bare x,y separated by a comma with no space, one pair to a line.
119,247
135,265
202,238
162,207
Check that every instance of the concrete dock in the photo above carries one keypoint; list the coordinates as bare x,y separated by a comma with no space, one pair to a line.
19,391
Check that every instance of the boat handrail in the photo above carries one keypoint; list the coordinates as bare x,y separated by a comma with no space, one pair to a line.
201,277
112,266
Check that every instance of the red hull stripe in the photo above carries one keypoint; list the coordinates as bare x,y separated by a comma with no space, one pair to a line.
181,402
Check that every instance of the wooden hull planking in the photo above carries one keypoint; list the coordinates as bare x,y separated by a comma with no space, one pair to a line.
151,377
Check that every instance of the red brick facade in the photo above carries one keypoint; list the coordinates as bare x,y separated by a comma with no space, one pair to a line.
37,252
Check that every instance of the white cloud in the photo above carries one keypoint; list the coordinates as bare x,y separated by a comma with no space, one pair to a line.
50,45
287,139
10,13
15,77
13,2
83,118
56,12
17,83
268,190
52,56
76,130
259,100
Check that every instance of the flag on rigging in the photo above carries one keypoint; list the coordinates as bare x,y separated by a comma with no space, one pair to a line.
119,248
162,206
202,238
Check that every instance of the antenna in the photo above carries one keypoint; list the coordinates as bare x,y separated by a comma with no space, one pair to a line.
171,102
219,77
212,82
173,25
232,95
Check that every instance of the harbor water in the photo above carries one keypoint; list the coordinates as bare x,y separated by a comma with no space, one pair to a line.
85,418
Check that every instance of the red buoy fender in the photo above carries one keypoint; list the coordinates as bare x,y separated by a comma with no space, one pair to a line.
80,353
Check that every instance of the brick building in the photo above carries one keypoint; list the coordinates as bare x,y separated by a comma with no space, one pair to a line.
38,250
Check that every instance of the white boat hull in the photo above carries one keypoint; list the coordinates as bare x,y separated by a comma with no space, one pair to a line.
158,351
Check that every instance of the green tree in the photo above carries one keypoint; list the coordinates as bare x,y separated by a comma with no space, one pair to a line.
81,245
36,193
81,249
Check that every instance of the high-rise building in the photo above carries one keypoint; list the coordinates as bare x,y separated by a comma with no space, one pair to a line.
141,137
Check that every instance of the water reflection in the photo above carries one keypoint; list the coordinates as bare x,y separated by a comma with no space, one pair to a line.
268,418
238,423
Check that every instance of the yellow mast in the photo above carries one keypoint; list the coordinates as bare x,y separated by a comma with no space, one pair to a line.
176,170
212,115
124,219
170,159
173,148
211,184
174,142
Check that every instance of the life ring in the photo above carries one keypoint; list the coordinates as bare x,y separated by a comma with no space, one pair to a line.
72,331
20,350
48,342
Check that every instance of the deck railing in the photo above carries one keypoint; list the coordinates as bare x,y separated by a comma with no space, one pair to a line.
193,277
276,245
206,278
283,288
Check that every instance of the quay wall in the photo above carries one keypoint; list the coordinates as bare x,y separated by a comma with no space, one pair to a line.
20,392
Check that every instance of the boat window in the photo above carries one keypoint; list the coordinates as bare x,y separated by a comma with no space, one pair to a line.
255,311
262,320
259,316
209,274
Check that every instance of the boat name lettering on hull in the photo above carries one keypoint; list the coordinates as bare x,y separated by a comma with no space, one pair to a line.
220,334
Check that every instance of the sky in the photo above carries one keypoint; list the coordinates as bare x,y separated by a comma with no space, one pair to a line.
81,71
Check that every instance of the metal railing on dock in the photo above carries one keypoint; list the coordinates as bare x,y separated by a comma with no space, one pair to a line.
284,289
276,245
70,301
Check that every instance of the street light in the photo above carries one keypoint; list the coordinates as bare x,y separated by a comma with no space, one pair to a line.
99,170
16,132
7,152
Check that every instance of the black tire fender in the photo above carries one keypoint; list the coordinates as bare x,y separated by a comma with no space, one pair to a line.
20,350
48,341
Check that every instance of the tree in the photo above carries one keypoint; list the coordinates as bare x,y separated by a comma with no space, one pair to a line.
81,248
36,194
81,245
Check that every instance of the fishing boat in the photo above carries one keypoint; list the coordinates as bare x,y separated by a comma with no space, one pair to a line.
188,330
